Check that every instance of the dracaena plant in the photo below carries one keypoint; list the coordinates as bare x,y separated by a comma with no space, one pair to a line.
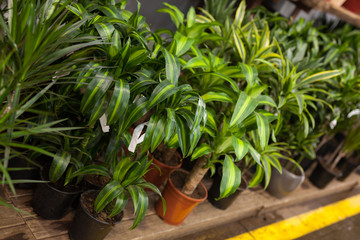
37,42
125,179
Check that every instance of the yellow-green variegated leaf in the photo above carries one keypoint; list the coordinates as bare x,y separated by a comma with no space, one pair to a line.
266,100
183,132
95,90
119,101
196,62
195,135
216,96
239,45
239,15
274,161
255,155
258,177
243,108
250,72
111,191
176,15
203,149
134,112
263,130
59,165
241,148
172,67
162,91
183,43
141,203
99,109
320,77
158,134
105,30
231,177
267,170
85,75
200,114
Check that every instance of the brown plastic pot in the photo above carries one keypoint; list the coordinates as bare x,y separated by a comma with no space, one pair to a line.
322,175
352,5
159,171
178,205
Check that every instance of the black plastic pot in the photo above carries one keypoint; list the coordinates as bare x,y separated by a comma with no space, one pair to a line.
347,166
214,192
51,203
322,175
283,184
86,227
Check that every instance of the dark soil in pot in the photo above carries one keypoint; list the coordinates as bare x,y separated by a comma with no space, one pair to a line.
87,223
54,200
178,179
174,161
96,182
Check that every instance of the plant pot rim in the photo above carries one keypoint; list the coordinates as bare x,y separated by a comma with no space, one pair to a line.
337,173
90,215
182,194
157,162
48,183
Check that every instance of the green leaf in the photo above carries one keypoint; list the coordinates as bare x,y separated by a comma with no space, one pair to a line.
239,45
183,43
196,62
158,134
105,30
111,191
240,14
91,169
266,100
243,108
183,133
216,96
203,149
231,178
267,170
194,139
120,204
95,90
263,130
122,168
162,91
250,73
172,67
258,177
241,148
274,161
320,77
176,15
98,110
59,165
135,111
170,125
300,101
141,202
119,101
255,155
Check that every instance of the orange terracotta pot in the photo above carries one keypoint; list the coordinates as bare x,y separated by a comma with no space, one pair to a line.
352,5
159,171
178,205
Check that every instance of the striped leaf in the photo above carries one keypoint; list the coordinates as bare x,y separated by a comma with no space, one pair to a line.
239,45
158,134
320,77
274,161
119,101
203,149
241,148
146,144
84,76
216,96
120,204
136,58
162,91
183,133
170,124
140,85
267,170
141,202
200,114
176,15
263,130
95,90
195,135
91,169
240,14
99,109
122,168
266,100
172,67
59,165
183,43
231,177
258,177
233,84
300,101
251,73
255,155
196,62
243,108
105,30
111,191
135,111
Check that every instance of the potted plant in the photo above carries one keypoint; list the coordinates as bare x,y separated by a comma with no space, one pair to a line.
102,209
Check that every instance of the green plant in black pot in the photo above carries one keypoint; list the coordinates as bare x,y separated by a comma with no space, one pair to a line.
104,208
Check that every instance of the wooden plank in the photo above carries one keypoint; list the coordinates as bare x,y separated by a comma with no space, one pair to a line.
4,195
9,218
19,192
21,232
42,228
24,203
62,237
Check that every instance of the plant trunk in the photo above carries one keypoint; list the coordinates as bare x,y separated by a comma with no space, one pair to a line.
196,175
338,158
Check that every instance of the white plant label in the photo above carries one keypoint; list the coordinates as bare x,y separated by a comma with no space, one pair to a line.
136,138
103,120
353,113
333,123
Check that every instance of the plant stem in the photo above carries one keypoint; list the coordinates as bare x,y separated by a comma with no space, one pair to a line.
196,175
338,158
334,153
323,141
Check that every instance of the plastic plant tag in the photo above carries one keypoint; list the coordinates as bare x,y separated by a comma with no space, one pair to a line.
105,128
353,113
333,123
136,138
